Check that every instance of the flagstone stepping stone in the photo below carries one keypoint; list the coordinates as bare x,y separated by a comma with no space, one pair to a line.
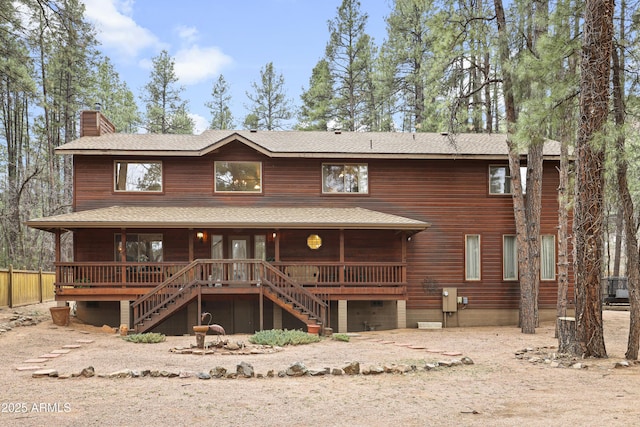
387,342
28,368
62,351
432,350
417,347
38,360
452,353
71,346
45,373
50,355
400,344
84,341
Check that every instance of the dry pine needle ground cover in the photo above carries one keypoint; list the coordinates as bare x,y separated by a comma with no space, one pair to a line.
498,389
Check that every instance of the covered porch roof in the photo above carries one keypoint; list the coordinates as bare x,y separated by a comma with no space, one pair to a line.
229,217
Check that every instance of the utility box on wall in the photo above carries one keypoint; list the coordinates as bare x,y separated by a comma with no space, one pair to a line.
449,300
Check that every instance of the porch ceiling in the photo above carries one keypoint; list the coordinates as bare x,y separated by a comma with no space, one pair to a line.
228,217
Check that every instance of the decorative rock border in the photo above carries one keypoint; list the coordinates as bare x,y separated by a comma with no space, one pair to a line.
245,370
547,356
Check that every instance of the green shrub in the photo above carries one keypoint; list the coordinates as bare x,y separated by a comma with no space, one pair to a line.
279,337
340,337
146,338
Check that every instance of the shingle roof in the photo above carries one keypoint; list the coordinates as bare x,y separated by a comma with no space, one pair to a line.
304,144
228,217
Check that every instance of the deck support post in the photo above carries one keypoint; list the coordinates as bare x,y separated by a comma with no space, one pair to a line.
277,317
401,314
342,316
125,313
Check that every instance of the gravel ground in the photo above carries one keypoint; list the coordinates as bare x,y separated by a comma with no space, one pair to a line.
499,389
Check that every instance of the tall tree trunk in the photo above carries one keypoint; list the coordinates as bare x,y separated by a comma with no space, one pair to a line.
590,156
629,220
527,229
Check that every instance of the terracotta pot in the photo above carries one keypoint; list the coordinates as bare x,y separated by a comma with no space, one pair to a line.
313,329
60,315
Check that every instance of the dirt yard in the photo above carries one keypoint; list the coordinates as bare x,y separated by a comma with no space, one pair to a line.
499,389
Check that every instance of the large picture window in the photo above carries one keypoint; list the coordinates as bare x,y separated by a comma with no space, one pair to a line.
548,257
500,179
140,247
345,178
243,177
472,257
138,176
509,258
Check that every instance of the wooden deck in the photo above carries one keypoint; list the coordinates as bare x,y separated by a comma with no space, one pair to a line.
112,281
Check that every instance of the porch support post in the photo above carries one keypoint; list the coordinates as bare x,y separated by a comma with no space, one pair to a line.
342,316
261,304
58,246
277,246
123,256
125,313
341,271
401,319
190,231
277,317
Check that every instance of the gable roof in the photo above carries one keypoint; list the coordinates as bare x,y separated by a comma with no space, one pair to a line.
229,217
304,144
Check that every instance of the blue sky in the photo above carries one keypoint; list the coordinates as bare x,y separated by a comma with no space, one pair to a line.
235,38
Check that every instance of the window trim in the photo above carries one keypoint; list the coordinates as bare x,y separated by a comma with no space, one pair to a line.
514,255
478,258
115,177
341,193
542,257
215,178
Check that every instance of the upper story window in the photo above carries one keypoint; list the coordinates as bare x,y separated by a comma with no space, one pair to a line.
242,177
138,176
500,179
345,178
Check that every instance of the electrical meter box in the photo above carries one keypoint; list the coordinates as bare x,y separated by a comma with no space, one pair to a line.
449,300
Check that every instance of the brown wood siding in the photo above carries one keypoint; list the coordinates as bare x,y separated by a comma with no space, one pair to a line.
452,195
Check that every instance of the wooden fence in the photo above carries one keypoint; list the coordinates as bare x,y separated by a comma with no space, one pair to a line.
22,287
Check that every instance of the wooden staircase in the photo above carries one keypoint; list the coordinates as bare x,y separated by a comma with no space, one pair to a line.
181,288
165,299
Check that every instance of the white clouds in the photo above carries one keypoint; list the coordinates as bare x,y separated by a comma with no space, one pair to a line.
200,123
196,64
188,34
117,31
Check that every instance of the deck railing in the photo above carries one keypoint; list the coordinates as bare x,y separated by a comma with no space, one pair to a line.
228,272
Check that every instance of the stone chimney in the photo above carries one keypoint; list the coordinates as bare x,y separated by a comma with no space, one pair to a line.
94,123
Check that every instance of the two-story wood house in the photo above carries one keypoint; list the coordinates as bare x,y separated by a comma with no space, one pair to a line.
264,230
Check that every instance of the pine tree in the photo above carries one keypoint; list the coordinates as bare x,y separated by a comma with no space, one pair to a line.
316,111
349,53
166,112
221,117
114,97
270,106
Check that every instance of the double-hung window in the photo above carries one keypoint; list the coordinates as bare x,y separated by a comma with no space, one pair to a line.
472,257
509,257
345,178
548,257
